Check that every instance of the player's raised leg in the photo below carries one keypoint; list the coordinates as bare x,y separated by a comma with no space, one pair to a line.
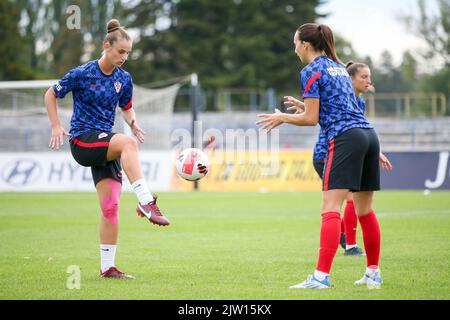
108,191
125,148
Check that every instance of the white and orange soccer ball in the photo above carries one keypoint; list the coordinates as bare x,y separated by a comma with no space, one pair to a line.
192,164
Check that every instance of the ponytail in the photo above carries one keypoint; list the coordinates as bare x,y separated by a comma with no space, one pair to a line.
320,37
328,43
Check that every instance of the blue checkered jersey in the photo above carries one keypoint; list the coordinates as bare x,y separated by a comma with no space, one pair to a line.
330,82
95,97
321,146
361,104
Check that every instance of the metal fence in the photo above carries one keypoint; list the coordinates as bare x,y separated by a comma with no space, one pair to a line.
386,105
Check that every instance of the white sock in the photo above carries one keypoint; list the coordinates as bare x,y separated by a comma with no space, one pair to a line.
107,256
349,246
142,192
370,271
319,275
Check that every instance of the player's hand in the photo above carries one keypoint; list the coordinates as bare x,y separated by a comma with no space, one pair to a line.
271,121
57,139
297,105
137,131
202,169
385,163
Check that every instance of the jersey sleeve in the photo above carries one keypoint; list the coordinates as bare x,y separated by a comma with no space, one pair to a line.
126,99
310,83
69,82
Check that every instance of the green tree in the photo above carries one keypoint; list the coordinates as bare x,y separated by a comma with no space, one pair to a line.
32,13
15,63
434,29
229,43
408,71
345,50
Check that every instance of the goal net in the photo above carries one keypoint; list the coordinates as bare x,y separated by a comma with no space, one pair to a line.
24,124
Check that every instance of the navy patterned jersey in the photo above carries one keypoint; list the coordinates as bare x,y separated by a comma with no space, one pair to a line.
329,81
321,146
95,97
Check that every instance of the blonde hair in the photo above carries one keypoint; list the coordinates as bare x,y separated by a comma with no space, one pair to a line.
115,32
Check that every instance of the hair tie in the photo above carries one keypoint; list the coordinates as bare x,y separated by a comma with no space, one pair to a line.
319,28
114,29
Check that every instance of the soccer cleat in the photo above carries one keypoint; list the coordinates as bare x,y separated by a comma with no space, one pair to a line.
113,272
355,251
313,283
152,213
363,280
342,241
372,281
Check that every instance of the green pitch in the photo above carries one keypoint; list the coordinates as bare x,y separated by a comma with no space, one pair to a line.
219,246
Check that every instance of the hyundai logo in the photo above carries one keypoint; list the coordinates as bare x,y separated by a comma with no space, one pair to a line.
21,172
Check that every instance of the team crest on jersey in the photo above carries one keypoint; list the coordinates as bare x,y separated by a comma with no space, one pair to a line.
117,85
102,135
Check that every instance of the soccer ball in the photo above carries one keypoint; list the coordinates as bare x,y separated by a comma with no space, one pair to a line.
192,164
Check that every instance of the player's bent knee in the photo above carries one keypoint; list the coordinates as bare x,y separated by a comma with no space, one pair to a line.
130,142
110,210
110,204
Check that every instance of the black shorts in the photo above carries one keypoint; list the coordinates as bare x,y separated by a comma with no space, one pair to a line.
318,166
90,150
353,161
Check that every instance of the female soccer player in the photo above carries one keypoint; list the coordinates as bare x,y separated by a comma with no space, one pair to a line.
353,150
97,88
361,80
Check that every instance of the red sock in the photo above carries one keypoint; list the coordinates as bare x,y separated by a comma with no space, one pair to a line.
350,222
371,236
342,226
329,240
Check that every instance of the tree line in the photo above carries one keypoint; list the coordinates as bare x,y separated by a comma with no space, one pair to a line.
228,43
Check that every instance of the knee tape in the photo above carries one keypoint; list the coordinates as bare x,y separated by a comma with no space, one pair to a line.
110,204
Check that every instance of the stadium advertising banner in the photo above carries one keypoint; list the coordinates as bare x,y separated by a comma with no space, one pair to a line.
258,171
244,171
417,171
58,171
236,171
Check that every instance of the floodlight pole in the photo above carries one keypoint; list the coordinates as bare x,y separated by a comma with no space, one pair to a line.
194,108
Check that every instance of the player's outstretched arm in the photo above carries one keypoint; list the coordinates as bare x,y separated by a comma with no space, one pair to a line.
130,118
296,104
310,117
58,132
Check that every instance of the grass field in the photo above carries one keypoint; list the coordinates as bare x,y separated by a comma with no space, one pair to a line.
219,246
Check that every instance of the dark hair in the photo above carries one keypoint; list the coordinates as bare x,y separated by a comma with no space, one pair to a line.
115,32
353,67
320,37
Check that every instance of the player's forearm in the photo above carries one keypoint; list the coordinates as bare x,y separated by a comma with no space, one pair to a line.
129,116
299,119
51,107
